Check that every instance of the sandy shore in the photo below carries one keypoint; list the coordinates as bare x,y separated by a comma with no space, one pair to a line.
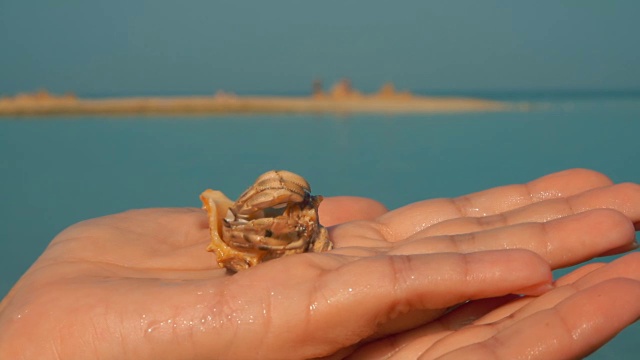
231,104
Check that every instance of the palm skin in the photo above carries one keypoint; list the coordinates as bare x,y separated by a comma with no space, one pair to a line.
140,285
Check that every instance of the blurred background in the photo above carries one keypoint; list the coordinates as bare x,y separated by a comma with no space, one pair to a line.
575,64
140,47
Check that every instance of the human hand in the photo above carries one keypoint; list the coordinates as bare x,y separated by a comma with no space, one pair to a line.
138,284
586,309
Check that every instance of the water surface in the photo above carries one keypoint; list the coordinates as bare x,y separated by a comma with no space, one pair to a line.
58,171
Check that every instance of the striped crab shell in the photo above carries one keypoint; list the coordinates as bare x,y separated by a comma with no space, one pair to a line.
275,217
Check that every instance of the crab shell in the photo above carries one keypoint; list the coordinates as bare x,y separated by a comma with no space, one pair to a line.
277,216
273,188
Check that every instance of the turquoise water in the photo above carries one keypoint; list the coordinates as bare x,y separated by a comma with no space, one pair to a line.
57,171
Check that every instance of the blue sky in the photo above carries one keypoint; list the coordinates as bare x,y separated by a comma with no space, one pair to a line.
198,46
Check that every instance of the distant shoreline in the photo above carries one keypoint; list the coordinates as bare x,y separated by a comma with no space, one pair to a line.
339,101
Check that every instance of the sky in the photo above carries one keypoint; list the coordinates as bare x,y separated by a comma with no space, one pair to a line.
145,47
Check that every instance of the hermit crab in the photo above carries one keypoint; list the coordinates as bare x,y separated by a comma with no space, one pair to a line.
276,216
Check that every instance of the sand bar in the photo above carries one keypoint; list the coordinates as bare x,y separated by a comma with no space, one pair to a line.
44,104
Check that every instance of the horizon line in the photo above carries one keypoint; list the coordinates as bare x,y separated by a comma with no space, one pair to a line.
491,93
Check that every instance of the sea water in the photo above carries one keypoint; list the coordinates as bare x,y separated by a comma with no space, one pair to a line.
61,170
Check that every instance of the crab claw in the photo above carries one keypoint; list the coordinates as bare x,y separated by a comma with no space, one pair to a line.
216,203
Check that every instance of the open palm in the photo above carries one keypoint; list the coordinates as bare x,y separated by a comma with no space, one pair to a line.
140,285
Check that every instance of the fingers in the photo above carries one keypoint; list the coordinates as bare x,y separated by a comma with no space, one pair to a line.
572,329
590,295
627,266
410,219
562,242
411,344
623,197
340,209
579,287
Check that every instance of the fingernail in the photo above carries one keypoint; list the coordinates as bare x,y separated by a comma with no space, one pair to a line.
536,290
